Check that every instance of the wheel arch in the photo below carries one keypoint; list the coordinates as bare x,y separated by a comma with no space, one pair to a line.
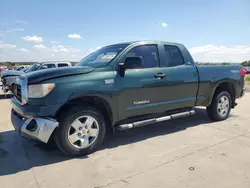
102,103
228,86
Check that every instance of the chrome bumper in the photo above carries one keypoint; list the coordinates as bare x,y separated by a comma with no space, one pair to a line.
34,127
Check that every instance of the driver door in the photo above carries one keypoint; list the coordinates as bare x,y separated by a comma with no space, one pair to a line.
139,88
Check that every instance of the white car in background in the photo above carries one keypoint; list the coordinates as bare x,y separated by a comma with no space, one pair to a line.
9,76
22,68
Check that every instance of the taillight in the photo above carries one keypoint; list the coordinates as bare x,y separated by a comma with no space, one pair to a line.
243,72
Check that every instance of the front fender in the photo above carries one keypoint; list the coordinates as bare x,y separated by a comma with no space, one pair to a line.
108,98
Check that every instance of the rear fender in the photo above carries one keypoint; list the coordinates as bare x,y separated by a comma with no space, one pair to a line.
210,97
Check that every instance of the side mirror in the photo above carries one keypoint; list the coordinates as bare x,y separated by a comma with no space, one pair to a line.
130,63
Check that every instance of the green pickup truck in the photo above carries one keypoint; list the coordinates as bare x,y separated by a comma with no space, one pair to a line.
119,87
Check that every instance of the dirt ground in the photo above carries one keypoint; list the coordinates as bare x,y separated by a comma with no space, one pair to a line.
189,152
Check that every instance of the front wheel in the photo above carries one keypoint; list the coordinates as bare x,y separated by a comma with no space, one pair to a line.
80,131
220,107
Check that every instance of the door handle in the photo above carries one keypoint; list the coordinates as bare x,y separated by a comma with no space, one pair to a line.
160,75
195,73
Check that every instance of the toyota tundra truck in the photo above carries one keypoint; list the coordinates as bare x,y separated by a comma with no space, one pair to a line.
119,87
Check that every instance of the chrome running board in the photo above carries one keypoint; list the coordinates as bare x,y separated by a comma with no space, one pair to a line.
155,120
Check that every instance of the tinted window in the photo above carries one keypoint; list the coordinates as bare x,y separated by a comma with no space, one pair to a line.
47,66
149,54
173,56
63,65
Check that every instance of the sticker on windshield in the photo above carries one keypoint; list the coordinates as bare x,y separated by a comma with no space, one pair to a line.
109,56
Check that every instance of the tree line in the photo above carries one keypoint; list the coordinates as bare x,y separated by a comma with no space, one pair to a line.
246,63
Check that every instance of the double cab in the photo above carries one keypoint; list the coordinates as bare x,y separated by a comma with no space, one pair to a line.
120,87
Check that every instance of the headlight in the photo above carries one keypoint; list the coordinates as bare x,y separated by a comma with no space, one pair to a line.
40,90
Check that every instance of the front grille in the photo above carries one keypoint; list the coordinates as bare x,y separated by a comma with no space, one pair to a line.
16,90
20,90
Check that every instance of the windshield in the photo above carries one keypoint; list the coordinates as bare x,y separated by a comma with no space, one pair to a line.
102,57
33,67
19,68
25,68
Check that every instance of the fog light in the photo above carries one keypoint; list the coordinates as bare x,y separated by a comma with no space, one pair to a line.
32,126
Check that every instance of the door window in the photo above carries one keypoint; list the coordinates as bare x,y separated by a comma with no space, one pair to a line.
149,54
47,66
173,57
63,65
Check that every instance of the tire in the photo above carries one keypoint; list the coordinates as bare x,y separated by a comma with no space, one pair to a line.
213,109
68,123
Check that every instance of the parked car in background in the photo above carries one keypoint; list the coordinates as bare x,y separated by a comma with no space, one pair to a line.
22,68
19,68
2,69
9,76
26,68
247,70
14,68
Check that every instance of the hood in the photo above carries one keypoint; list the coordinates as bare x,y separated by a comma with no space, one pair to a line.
42,75
6,73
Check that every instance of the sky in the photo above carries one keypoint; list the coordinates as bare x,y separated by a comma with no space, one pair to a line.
213,30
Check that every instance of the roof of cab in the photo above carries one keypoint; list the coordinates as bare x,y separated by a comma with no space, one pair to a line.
148,41
55,62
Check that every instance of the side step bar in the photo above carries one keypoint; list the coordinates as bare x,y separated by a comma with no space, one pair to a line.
155,120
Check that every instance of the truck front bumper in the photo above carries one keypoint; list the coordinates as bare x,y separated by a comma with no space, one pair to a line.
33,127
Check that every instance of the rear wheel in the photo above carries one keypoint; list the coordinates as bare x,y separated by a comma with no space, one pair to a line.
80,131
220,107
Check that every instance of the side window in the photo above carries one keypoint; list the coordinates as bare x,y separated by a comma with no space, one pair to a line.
47,66
63,65
149,54
173,56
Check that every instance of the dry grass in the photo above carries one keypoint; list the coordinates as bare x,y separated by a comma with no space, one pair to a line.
247,78
247,83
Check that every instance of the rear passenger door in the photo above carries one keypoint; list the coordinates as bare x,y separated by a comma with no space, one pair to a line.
181,81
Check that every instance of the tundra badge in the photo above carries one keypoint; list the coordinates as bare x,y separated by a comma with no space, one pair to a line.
141,102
